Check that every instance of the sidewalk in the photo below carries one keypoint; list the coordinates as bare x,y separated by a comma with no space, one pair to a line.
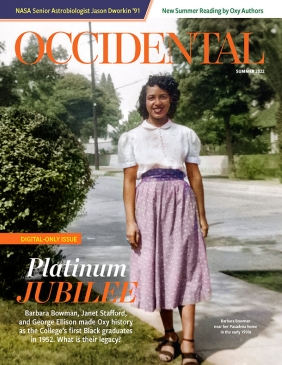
233,301
269,187
255,313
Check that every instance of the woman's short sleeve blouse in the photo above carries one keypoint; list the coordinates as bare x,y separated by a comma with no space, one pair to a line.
169,146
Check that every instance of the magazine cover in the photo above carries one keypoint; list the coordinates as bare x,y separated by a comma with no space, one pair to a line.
140,184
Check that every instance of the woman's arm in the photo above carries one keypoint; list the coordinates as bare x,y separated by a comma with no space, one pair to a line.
196,183
129,186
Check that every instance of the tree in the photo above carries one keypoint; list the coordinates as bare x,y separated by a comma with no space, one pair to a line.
108,109
133,121
8,87
112,113
272,43
223,90
71,101
247,137
8,84
2,47
36,81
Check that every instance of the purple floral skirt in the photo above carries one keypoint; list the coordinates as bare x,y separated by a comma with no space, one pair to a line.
170,264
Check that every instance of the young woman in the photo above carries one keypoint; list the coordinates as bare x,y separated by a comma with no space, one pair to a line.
165,216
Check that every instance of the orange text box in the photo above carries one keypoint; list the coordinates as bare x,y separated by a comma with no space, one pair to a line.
40,238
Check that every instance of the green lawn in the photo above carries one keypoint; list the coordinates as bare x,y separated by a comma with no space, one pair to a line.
271,280
15,348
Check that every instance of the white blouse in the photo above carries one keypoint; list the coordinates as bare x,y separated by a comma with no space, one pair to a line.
167,147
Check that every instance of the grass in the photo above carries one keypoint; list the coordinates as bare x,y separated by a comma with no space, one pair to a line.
271,279
136,348
111,173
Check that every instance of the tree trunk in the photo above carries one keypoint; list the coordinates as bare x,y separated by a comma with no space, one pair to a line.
229,146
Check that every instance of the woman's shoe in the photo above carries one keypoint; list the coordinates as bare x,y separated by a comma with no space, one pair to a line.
168,356
190,355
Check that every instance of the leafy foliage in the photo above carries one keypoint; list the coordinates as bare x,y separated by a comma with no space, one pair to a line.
44,179
111,104
37,81
112,113
272,42
257,166
8,84
15,262
247,138
46,88
133,121
2,46
249,168
107,109
44,173
71,101
219,89
8,87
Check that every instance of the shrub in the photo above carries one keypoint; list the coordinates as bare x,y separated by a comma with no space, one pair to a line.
44,180
249,168
15,262
44,176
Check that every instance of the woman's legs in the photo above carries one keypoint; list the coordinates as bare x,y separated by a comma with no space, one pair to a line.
187,314
167,319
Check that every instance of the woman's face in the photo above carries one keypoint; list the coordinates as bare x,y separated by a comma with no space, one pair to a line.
157,104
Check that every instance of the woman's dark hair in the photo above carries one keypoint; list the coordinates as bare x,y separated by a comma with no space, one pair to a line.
164,82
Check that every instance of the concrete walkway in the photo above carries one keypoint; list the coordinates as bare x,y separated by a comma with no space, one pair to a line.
255,313
242,324
235,303
265,187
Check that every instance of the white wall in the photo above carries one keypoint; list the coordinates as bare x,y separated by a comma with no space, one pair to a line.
214,165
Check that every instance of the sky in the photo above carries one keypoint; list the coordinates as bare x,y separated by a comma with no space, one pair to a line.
127,78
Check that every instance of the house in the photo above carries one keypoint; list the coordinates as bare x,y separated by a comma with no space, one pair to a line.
104,144
266,121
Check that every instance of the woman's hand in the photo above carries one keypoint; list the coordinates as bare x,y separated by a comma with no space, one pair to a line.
204,226
132,234
196,183
129,186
